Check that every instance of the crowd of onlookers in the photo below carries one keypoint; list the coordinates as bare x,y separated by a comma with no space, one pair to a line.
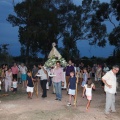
56,76
18,73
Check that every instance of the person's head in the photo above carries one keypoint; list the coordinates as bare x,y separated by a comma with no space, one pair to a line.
70,62
89,82
14,79
22,64
41,65
3,66
9,69
72,73
115,69
58,64
29,73
34,66
6,65
15,64
84,70
73,64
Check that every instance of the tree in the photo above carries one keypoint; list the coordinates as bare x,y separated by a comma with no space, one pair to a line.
37,25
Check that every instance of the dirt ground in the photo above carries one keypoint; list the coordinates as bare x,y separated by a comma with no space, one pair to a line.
19,107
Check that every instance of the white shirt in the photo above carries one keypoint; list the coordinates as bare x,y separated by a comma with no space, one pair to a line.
88,90
14,84
110,78
105,69
43,75
23,70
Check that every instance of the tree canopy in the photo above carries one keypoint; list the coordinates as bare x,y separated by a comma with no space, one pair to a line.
42,22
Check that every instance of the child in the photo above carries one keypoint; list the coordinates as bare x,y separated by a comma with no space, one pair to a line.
14,85
29,84
85,77
72,87
88,88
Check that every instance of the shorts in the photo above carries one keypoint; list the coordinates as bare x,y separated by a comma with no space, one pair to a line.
30,89
23,77
14,89
89,97
71,92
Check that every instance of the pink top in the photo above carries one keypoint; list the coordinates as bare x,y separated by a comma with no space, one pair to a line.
14,70
59,75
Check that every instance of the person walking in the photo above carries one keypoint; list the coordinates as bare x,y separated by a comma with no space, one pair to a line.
43,79
109,79
68,69
72,87
88,92
58,80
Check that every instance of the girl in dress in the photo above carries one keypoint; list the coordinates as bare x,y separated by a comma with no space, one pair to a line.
88,91
14,85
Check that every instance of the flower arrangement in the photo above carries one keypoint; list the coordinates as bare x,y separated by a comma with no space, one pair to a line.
51,62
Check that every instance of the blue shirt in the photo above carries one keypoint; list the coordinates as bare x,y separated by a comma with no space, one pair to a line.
30,82
72,82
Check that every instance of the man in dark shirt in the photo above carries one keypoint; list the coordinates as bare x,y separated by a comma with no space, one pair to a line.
69,68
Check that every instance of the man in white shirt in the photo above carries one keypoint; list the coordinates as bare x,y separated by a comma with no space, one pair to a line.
43,79
109,79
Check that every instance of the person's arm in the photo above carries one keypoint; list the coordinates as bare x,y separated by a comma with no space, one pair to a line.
26,82
17,69
104,81
44,69
93,87
11,77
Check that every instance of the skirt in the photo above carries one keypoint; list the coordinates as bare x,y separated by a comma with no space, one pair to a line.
89,97
23,77
71,92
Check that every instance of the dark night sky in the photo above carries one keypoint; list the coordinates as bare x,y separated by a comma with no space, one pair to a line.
9,34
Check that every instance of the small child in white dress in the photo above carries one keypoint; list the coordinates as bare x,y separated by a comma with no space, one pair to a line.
88,91
14,85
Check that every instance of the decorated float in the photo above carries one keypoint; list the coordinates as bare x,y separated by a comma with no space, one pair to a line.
53,57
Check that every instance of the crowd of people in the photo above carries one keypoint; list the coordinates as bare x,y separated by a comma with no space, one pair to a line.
62,78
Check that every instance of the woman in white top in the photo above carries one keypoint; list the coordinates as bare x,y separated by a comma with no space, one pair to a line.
23,70
8,80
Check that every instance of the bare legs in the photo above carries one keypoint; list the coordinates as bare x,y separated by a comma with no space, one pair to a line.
88,104
24,84
30,95
70,98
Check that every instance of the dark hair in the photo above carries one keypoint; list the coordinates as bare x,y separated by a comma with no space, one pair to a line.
72,72
58,62
89,82
41,64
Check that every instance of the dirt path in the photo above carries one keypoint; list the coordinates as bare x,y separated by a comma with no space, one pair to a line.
19,107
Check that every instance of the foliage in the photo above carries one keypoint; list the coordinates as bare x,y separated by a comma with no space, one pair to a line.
42,22
51,62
